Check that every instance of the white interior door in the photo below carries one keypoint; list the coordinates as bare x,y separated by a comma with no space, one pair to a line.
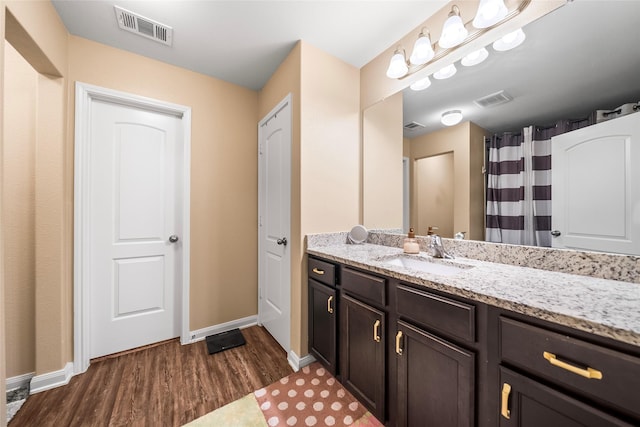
134,227
274,306
596,187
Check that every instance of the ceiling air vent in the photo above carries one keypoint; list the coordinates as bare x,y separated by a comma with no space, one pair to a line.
413,126
493,99
144,27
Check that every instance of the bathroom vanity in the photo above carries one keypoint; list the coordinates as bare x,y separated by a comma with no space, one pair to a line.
423,341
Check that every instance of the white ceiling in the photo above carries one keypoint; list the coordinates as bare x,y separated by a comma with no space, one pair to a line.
243,42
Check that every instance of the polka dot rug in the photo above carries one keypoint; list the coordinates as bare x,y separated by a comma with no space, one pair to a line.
311,397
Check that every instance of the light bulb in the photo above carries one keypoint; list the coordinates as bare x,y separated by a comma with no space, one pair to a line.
422,50
421,84
445,72
509,41
476,57
397,66
453,30
490,12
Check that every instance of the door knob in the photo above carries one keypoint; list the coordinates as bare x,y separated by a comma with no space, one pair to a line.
282,241
173,238
555,233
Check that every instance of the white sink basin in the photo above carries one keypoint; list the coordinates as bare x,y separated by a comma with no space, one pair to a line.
427,265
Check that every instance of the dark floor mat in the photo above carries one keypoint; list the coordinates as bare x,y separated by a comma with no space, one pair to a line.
224,341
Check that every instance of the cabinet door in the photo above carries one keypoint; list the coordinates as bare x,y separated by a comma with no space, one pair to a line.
436,380
322,324
526,403
362,353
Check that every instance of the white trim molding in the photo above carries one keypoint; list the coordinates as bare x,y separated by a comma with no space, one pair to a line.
297,362
245,322
19,381
51,379
85,95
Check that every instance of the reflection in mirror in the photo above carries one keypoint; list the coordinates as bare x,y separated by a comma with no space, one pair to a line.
566,68
434,199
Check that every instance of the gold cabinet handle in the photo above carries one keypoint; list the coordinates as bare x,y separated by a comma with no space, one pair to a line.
329,308
587,372
398,338
318,271
504,408
376,331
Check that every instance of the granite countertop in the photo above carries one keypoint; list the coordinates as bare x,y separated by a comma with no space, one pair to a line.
608,308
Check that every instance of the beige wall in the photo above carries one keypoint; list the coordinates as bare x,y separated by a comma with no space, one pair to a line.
325,155
36,31
477,200
382,142
18,158
223,171
467,160
329,158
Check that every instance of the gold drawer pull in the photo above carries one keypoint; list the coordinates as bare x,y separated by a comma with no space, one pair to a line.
504,408
318,271
376,332
329,308
398,338
587,373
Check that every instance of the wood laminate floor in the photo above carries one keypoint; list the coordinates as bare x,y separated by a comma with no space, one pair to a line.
164,385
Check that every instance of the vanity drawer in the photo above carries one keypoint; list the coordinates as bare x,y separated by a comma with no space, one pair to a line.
568,362
322,271
372,288
439,313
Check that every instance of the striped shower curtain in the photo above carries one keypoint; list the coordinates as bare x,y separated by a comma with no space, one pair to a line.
519,184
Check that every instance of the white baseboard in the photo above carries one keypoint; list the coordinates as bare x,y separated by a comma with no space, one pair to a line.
52,379
19,381
201,334
297,362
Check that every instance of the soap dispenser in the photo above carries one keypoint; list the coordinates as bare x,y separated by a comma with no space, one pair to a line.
411,245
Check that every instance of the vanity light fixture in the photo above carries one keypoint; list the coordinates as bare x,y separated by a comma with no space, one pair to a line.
445,72
421,84
509,41
474,58
422,49
450,118
489,13
455,33
453,30
398,66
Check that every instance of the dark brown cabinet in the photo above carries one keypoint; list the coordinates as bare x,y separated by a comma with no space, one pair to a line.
563,380
416,356
323,313
527,403
362,346
435,380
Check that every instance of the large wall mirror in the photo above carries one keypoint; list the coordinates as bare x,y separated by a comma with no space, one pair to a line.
580,58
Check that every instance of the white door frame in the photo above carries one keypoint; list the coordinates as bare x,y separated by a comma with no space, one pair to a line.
261,202
85,94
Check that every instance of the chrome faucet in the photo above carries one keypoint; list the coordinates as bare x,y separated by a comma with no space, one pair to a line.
437,249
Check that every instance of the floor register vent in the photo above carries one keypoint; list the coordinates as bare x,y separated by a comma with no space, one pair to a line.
144,27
